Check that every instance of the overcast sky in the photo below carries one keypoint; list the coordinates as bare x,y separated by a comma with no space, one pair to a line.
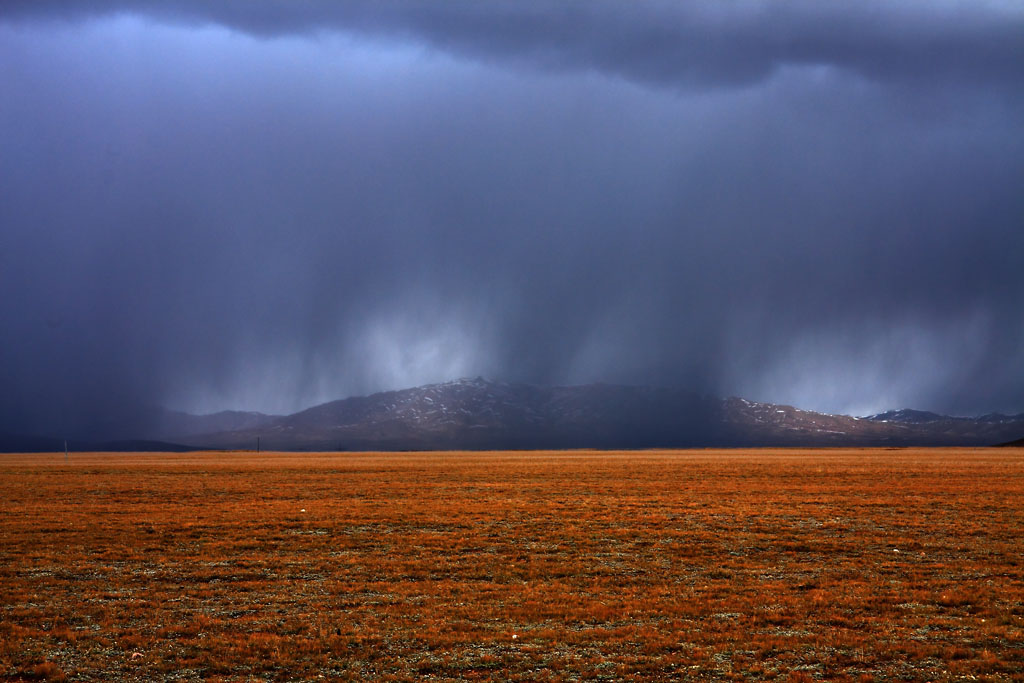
270,204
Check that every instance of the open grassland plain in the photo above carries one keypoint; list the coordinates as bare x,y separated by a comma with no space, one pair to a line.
845,565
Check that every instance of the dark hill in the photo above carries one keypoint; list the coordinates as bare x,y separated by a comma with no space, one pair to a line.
25,443
479,414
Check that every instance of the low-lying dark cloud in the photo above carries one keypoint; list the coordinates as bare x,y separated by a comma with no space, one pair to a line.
691,43
799,202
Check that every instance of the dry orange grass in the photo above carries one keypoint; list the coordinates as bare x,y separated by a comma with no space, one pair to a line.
848,565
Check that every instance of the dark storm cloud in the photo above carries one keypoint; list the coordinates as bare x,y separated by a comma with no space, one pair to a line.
383,195
703,43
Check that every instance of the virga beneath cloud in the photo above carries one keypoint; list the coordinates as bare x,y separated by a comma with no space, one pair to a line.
266,205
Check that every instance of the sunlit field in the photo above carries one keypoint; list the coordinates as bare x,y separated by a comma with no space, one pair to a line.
839,565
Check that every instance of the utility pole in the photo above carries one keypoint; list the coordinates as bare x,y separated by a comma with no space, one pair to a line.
257,445
65,450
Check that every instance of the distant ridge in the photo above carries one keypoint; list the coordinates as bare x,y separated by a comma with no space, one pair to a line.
27,443
907,416
477,414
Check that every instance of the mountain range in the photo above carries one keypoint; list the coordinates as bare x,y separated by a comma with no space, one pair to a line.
478,414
